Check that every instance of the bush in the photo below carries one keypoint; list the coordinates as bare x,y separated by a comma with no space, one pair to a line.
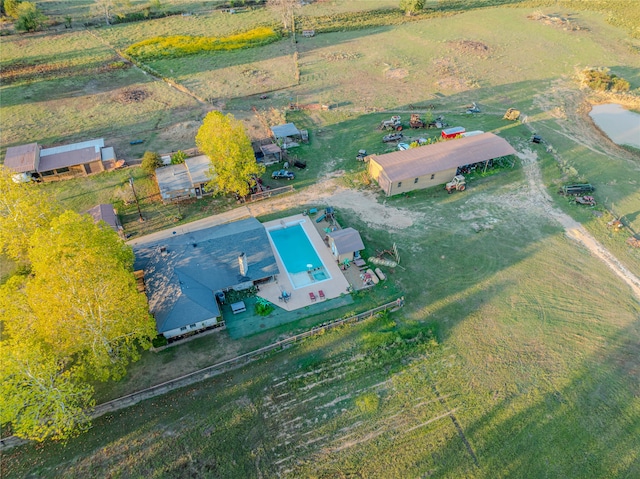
178,157
368,403
159,341
601,80
29,17
150,161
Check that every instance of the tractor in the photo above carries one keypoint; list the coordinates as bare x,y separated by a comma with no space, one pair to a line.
415,121
392,124
458,183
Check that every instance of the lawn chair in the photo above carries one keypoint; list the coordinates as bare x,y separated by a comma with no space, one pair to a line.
321,294
312,296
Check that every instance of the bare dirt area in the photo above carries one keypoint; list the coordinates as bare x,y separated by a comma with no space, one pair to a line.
329,192
132,95
470,47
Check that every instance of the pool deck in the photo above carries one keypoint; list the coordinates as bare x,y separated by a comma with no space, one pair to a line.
332,288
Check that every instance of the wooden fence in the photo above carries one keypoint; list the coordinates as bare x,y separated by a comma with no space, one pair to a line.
215,369
261,195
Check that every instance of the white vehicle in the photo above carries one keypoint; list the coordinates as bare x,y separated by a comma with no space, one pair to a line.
403,146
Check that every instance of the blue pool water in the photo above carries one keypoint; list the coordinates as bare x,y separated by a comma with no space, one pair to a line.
298,255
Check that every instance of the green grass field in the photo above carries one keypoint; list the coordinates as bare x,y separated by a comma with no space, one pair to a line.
516,354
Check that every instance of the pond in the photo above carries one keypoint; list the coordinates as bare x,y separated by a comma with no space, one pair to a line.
620,125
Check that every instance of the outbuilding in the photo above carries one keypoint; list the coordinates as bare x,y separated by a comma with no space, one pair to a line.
184,180
435,164
344,243
454,132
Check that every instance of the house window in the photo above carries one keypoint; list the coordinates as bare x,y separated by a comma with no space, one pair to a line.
416,180
46,173
192,325
62,170
433,176
399,184
183,328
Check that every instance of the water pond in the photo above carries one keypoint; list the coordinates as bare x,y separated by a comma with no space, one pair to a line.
620,125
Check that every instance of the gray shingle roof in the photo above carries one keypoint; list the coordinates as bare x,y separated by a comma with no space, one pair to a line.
181,282
347,240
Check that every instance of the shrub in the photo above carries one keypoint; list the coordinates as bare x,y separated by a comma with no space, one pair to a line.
159,341
368,403
176,46
178,157
29,17
150,161
601,80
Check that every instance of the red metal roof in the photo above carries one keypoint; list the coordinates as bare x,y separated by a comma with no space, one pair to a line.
430,159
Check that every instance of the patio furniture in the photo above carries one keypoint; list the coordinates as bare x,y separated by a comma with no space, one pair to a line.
321,294
359,262
238,307
312,296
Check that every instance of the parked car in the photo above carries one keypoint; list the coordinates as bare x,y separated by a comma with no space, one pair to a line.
403,146
283,174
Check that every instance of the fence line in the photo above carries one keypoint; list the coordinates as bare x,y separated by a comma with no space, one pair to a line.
215,369
269,193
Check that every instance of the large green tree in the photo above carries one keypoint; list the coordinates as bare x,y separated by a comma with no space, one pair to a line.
42,395
24,208
411,7
29,18
73,317
233,165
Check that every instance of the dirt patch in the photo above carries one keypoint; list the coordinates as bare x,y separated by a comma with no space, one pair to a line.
555,20
469,47
330,193
180,133
450,75
132,95
396,73
340,56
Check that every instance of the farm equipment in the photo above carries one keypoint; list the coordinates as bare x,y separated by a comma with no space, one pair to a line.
536,139
362,155
458,184
576,190
511,114
392,137
393,124
437,123
416,122
586,200
473,108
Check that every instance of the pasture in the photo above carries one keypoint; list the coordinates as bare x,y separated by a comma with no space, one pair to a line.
516,354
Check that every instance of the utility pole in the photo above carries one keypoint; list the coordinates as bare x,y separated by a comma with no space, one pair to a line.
141,219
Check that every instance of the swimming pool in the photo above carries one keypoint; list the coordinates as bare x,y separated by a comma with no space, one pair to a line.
298,255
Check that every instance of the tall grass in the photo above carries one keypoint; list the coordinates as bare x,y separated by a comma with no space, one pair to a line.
176,46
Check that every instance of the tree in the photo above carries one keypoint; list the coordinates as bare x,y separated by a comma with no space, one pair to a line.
233,164
23,209
411,7
87,305
75,316
11,7
107,8
29,17
285,9
150,161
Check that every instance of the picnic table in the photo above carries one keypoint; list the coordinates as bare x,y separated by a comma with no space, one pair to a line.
238,307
